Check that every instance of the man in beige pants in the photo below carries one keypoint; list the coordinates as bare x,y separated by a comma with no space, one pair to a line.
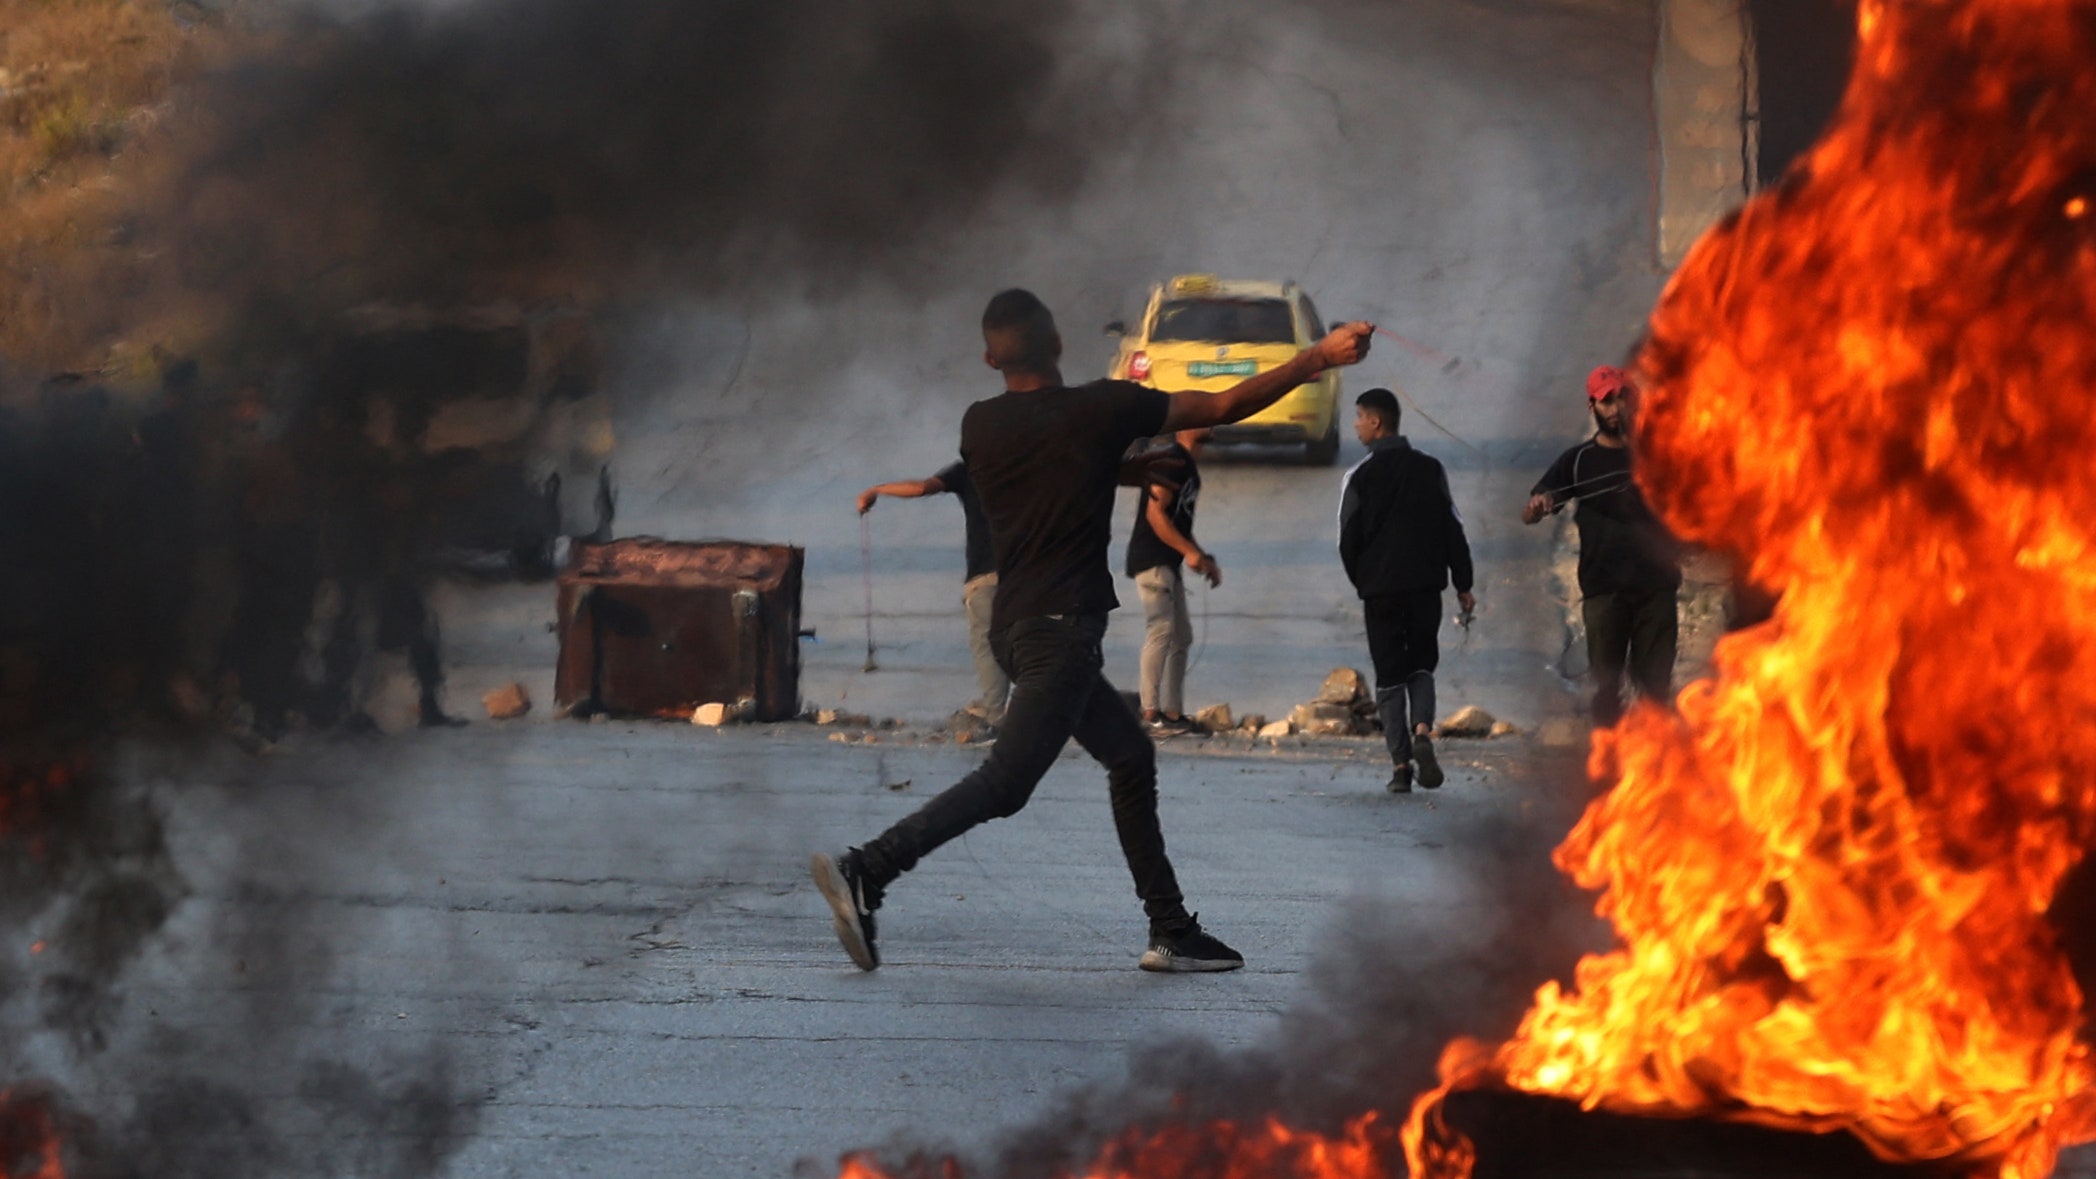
981,588
1160,543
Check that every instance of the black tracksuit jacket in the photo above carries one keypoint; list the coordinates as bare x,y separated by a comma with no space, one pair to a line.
1398,527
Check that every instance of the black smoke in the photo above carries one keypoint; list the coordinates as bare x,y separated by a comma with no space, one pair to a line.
204,552
548,147
442,160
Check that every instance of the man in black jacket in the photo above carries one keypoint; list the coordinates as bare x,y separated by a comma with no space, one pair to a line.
1402,543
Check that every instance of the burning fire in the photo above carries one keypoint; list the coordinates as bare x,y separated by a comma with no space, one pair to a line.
1219,1150
1831,870
29,1141
27,791
30,1144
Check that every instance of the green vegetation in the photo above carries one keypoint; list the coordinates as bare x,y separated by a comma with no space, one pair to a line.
84,87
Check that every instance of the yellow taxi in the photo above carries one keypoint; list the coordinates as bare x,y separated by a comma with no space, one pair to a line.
1207,333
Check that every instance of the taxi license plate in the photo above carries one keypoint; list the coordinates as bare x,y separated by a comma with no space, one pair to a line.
1221,368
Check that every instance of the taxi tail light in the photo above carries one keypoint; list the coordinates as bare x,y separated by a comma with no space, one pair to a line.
1139,366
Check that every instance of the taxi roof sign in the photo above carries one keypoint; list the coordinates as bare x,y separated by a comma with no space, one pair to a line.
1208,286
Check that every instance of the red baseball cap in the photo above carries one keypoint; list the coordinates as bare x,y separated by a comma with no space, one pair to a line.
1607,379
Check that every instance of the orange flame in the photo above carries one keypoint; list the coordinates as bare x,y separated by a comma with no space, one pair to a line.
1831,870
1219,1150
30,1147
27,790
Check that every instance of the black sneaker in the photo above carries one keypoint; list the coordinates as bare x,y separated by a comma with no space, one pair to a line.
1400,780
1190,951
1430,775
852,900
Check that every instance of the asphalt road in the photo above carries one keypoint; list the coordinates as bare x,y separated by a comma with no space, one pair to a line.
594,944
591,949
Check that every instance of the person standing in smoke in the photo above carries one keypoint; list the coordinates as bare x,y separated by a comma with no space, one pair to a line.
1629,565
1402,543
277,557
1163,538
374,519
981,585
1045,459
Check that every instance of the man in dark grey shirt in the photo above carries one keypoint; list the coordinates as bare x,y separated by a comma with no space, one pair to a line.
1629,565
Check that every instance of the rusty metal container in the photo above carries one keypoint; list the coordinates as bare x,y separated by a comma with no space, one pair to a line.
654,627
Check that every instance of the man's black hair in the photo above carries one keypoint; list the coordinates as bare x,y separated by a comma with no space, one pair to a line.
1020,333
1383,403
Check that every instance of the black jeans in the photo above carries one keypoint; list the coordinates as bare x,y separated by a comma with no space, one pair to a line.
1057,693
1404,642
1633,629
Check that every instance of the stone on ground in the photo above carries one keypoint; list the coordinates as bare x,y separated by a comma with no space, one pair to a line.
507,702
1343,687
1323,719
1468,721
715,714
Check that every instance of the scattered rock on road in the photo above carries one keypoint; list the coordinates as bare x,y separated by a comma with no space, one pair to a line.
1468,721
1343,687
842,719
507,702
1321,718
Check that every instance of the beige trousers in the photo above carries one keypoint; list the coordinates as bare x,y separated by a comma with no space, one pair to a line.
996,686
1168,634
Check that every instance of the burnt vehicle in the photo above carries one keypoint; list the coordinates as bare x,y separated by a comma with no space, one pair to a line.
499,414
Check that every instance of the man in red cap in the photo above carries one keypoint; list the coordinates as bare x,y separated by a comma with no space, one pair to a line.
1629,565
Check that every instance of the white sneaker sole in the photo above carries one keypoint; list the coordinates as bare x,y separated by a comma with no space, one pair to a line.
837,891
1172,964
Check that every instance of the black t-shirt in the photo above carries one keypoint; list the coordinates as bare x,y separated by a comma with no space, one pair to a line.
1145,549
1622,545
1045,464
982,558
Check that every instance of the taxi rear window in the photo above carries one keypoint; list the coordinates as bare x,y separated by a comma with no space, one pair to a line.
1227,321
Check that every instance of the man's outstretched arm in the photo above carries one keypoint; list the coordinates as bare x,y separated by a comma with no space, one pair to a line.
1343,345
900,489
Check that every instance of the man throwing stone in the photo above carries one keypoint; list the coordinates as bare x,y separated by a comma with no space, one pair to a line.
1045,459
1402,543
